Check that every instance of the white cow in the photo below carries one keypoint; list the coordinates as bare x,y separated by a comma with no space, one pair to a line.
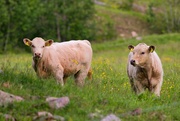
144,69
61,59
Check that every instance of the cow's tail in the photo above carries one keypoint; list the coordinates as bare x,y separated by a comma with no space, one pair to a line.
90,74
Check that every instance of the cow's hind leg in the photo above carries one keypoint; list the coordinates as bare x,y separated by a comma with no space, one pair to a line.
80,77
64,79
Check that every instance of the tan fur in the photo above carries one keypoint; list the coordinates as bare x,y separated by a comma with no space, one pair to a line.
62,59
90,74
146,71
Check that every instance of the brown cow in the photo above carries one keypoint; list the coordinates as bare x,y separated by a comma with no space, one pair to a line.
61,59
144,69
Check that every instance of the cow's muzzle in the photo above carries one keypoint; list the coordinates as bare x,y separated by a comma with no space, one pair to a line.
37,55
133,62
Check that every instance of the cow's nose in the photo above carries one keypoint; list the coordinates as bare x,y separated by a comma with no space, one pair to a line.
133,62
37,54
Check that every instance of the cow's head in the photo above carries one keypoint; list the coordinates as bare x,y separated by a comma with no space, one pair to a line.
141,54
37,45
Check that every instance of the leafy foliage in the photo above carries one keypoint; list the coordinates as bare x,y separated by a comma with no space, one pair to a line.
172,16
62,20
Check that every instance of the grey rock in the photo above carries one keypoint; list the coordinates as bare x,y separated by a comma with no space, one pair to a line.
57,103
6,98
46,116
7,117
137,111
111,117
95,115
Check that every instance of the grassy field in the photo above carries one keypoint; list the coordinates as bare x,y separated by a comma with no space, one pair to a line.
108,92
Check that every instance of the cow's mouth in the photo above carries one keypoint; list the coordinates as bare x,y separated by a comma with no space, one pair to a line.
36,57
133,64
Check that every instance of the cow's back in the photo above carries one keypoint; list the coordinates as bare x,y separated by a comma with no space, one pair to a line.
80,49
156,63
72,55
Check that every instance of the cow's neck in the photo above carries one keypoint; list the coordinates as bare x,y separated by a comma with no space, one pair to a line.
147,71
39,66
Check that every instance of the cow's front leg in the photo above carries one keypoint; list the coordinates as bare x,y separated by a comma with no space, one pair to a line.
138,87
131,80
59,78
58,74
157,88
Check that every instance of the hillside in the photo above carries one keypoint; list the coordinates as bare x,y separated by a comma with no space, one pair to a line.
125,22
139,17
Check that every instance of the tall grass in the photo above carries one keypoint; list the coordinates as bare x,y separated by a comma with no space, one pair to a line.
108,92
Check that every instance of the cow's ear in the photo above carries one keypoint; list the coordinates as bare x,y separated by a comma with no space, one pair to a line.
48,42
27,42
151,48
131,47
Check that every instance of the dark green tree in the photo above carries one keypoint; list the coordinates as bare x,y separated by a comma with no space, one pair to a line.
172,16
4,24
60,20
18,20
70,19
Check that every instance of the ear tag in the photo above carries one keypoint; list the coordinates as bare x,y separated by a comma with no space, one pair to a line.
47,44
131,49
27,43
151,50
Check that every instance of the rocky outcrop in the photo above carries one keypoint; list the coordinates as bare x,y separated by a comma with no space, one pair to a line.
6,98
57,103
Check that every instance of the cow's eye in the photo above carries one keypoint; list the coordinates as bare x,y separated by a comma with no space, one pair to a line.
43,46
32,46
142,53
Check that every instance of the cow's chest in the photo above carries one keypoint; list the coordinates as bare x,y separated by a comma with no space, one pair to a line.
42,70
141,76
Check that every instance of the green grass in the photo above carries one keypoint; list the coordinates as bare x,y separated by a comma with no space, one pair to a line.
108,92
